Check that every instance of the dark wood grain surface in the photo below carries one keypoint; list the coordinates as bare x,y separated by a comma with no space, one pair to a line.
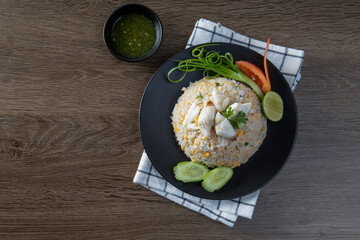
69,136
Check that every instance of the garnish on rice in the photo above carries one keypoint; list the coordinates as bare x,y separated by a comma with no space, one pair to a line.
213,65
239,121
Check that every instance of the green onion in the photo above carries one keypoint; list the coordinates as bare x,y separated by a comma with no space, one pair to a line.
213,65
200,96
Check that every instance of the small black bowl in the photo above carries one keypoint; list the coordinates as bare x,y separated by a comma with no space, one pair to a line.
127,9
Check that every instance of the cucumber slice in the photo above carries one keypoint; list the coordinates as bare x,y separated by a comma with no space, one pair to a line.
217,178
190,171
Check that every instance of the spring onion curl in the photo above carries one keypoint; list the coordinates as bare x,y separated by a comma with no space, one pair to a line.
213,65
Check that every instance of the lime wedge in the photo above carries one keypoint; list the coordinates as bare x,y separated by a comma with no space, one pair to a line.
272,106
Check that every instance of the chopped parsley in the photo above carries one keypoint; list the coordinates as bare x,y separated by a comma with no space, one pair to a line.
246,143
217,84
228,112
240,119
200,96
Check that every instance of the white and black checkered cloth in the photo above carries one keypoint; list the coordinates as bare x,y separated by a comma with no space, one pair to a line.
287,60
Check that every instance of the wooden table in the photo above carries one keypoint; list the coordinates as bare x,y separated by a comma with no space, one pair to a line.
69,136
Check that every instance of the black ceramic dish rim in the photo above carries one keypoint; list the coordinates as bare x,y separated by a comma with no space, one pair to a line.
270,179
122,57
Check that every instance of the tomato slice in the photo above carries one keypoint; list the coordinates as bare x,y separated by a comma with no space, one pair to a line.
255,74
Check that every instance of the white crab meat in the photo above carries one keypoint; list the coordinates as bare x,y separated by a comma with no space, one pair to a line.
219,118
192,113
237,107
223,142
225,129
206,118
220,100
192,126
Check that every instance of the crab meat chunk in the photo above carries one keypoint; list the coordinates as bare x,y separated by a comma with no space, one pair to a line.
192,113
237,107
206,118
225,129
219,118
220,100
223,142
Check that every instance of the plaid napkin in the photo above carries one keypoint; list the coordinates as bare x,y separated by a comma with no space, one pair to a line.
287,60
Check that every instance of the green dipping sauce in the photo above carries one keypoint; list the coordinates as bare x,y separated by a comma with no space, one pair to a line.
133,35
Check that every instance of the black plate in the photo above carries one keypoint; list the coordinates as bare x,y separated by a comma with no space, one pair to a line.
164,152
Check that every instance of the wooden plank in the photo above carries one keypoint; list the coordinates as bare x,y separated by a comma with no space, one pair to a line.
69,136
